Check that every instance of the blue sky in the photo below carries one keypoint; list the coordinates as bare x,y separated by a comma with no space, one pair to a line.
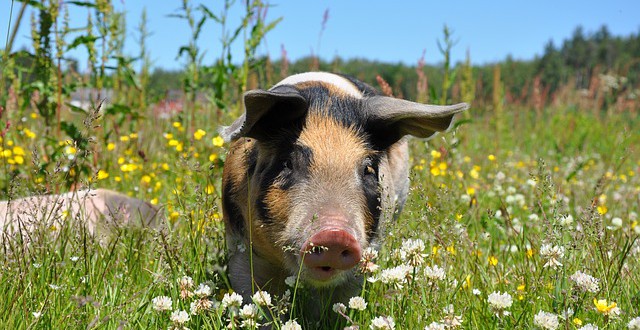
387,31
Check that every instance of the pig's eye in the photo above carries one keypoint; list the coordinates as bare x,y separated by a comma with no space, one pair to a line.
369,168
287,165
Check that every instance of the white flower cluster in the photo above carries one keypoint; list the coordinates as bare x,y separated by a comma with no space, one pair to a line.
546,320
412,252
634,324
434,273
396,276
585,282
161,303
499,302
382,323
357,303
553,254
589,326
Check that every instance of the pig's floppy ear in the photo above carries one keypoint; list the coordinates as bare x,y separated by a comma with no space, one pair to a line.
265,111
396,118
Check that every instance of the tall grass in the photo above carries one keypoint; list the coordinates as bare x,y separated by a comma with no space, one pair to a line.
517,210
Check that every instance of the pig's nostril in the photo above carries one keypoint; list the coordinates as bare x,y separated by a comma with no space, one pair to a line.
325,268
346,254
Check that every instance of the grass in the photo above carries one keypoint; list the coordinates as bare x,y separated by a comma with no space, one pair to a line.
484,203
506,217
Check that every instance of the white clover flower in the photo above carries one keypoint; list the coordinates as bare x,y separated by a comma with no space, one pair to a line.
451,320
179,317
500,176
616,223
291,325
231,300
435,273
74,258
203,290
531,182
339,308
545,320
36,314
55,287
566,220
585,282
200,305
396,276
367,264
476,292
435,326
249,311
500,301
161,303
533,217
186,284
588,326
412,252
634,324
357,303
382,323
553,254
262,298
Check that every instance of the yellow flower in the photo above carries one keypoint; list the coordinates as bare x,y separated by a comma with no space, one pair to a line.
7,153
174,216
168,136
199,134
146,179
28,133
217,141
493,260
529,253
33,115
173,142
154,201
603,307
18,159
124,138
451,249
177,124
111,146
18,151
210,189
471,191
602,209
436,154
491,157
521,287
475,172
577,321
435,171
213,157
165,166
69,150
102,174
118,178
133,135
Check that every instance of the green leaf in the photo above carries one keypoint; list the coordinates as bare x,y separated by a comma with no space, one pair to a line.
81,40
82,3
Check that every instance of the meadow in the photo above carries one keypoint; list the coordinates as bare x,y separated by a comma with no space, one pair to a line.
520,217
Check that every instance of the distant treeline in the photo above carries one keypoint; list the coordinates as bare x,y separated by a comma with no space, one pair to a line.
576,62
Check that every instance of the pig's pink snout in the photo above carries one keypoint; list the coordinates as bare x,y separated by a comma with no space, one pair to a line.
330,250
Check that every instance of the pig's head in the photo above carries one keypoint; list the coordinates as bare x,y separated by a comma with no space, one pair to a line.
319,177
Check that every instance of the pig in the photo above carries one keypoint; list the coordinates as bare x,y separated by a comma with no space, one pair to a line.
317,166
97,209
